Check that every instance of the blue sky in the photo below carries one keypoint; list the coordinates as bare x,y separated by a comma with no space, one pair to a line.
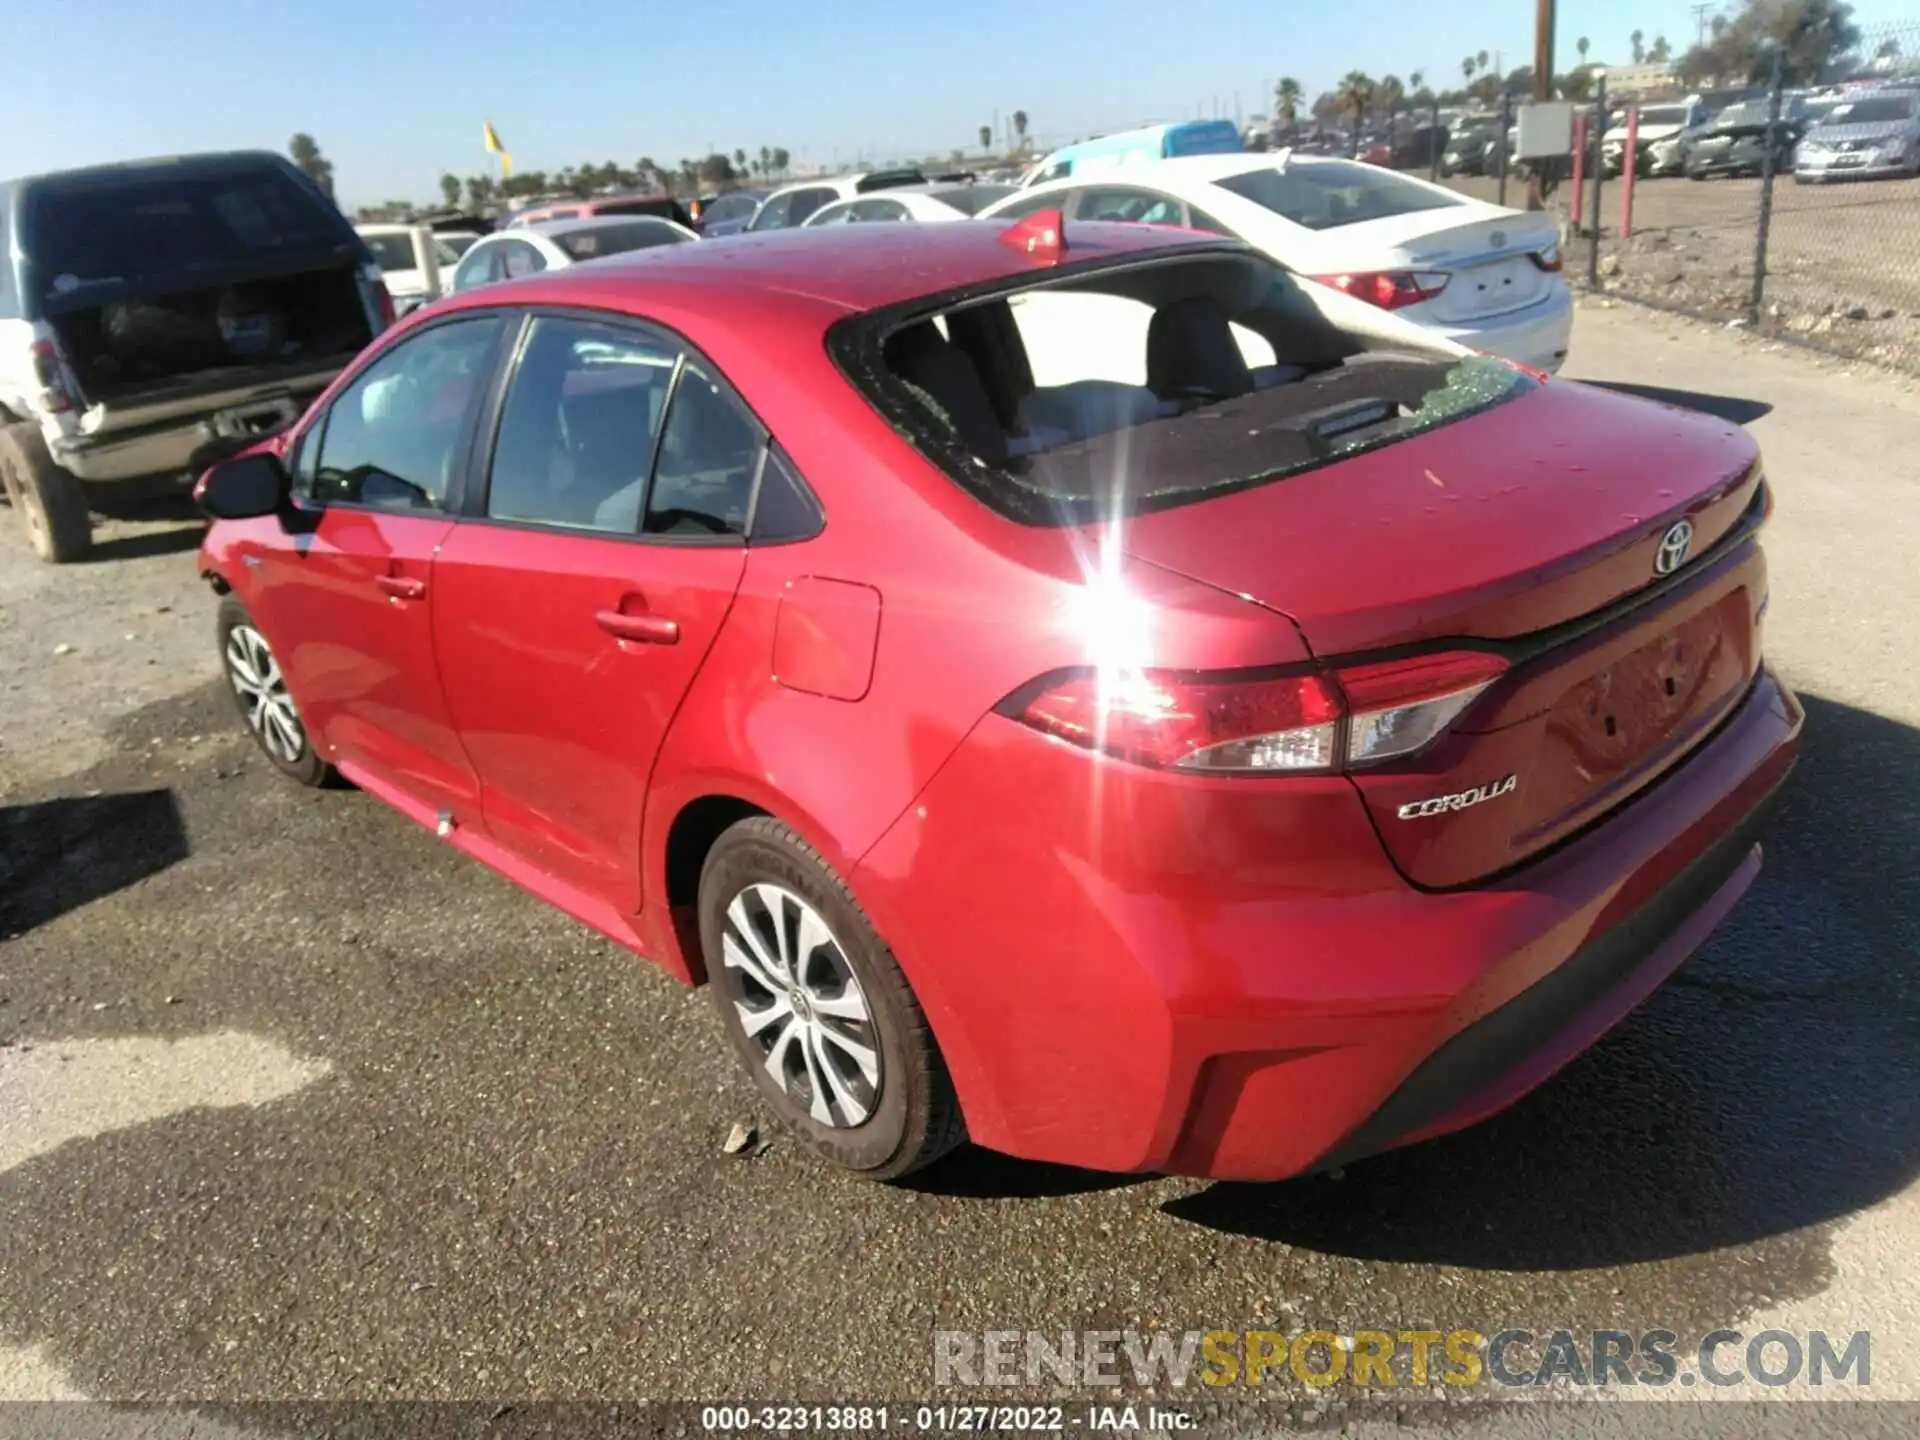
395,91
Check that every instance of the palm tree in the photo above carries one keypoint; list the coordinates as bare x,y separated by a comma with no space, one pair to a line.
1583,44
780,160
1020,126
1467,69
1639,48
1356,93
1481,59
1661,52
986,138
740,161
1286,101
1417,81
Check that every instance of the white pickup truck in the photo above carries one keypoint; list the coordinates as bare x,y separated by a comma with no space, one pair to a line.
158,315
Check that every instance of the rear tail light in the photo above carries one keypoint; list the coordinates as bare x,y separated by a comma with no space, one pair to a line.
1389,289
52,378
383,298
1319,722
1549,258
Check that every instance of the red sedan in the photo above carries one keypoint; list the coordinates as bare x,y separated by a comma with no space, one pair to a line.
1092,693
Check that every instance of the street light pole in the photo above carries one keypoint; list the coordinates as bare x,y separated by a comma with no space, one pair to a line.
1543,17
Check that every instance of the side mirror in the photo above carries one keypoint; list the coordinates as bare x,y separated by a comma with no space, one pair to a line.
244,489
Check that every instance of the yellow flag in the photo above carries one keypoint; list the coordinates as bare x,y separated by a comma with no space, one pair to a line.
491,139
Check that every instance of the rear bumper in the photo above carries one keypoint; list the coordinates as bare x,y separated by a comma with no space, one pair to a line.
1128,972
1537,336
110,443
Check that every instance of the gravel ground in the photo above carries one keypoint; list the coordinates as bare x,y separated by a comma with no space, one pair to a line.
1843,260
297,1104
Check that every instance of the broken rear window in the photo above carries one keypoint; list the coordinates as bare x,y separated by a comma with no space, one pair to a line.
1146,386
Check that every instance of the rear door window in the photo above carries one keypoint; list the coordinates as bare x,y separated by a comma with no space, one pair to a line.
709,459
518,258
805,202
1327,194
577,431
480,266
880,210
1136,207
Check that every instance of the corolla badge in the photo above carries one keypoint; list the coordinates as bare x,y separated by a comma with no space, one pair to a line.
1675,546
1460,800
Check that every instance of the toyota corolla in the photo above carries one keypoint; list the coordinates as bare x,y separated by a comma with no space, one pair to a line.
1077,688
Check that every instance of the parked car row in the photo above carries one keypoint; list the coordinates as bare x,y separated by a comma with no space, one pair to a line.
125,362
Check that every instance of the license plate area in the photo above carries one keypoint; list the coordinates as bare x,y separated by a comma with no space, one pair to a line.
1619,717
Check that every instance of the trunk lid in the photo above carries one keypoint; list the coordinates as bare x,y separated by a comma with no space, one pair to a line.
1530,528
1489,258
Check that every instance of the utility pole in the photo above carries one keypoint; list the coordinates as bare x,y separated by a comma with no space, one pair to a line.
1700,13
1543,17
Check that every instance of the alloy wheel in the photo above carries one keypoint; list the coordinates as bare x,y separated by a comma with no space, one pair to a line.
263,694
801,1006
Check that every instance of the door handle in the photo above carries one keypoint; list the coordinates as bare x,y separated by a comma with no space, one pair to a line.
645,629
402,588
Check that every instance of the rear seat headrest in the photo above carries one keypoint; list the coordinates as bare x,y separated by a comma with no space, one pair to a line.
1191,351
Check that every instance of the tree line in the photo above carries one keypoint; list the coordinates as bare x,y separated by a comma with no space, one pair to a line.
717,171
1816,39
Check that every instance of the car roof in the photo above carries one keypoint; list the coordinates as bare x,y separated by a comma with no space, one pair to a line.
205,163
852,267
575,224
386,227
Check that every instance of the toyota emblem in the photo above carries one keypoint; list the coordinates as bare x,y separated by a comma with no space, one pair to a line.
1675,546
1498,239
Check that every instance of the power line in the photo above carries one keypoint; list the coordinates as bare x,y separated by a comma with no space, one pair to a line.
1700,13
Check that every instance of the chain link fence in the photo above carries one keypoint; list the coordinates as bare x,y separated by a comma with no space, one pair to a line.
1827,216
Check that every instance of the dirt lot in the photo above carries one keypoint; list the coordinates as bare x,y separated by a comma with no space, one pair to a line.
297,1103
1843,261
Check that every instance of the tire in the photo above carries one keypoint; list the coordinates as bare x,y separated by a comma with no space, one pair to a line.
878,1120
51,502
260,695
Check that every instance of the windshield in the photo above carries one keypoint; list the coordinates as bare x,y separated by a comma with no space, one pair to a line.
1880,110
1148,386
1661,115
1737,116
616,239
1325,195
89,228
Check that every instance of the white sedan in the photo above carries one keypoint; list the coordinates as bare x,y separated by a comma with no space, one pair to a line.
916,204
556,244
1485,277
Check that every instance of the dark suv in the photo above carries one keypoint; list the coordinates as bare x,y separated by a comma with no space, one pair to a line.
157,315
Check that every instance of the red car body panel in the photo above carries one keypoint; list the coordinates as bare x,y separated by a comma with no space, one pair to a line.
1124,967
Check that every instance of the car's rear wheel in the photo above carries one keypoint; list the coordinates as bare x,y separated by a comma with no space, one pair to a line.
260,693
51,502
818,1009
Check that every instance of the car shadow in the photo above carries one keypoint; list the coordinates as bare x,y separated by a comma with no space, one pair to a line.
185,527
1773,1084
58,855
1731,408
974,1173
